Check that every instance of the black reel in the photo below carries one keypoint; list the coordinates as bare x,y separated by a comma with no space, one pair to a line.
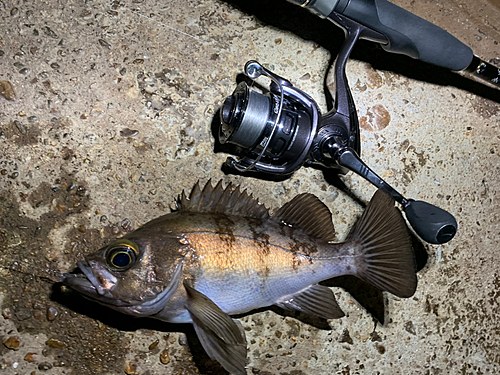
282,129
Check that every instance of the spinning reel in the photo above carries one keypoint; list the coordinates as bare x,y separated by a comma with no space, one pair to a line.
283,129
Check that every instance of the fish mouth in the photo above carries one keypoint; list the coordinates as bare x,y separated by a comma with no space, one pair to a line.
87,284
90,286
90,277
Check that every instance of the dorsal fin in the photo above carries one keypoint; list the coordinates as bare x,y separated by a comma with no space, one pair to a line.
230,201
308,213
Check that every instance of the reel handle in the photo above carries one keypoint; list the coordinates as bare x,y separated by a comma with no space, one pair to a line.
431,223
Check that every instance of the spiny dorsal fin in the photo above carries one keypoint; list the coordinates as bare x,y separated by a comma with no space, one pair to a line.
308,213
230,201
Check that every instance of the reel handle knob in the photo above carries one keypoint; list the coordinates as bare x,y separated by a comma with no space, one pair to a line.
431,223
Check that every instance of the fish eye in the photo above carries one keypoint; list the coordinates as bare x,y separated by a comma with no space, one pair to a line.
122,255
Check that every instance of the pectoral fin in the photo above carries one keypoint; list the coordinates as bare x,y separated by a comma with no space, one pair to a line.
315,300
221,337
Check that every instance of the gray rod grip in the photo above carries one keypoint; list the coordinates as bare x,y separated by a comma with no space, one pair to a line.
409,34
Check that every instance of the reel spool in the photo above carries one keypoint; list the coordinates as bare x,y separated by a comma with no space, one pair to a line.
277,129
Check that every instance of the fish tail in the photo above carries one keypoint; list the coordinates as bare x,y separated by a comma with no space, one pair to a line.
383,251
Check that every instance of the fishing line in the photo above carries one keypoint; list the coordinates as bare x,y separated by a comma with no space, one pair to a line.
119,4
48,279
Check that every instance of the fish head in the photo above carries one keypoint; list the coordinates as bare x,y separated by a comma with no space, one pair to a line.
127,276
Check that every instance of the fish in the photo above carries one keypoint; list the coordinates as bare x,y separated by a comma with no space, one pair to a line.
221,253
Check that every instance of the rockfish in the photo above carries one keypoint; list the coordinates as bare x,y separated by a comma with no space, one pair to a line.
221,253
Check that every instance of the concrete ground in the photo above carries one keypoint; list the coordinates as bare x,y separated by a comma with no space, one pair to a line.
110,118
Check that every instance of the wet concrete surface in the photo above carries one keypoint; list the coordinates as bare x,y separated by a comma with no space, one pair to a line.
106,115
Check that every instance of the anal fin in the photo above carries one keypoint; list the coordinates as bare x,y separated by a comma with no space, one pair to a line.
315,300
222,337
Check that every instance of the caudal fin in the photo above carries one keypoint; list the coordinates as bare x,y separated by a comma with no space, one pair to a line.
383,247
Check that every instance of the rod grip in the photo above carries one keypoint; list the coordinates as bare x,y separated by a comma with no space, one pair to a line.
409,34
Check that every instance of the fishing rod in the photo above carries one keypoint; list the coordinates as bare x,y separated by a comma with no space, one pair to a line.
405,33
280,130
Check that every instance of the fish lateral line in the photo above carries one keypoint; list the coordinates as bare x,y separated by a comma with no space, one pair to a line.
308,257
